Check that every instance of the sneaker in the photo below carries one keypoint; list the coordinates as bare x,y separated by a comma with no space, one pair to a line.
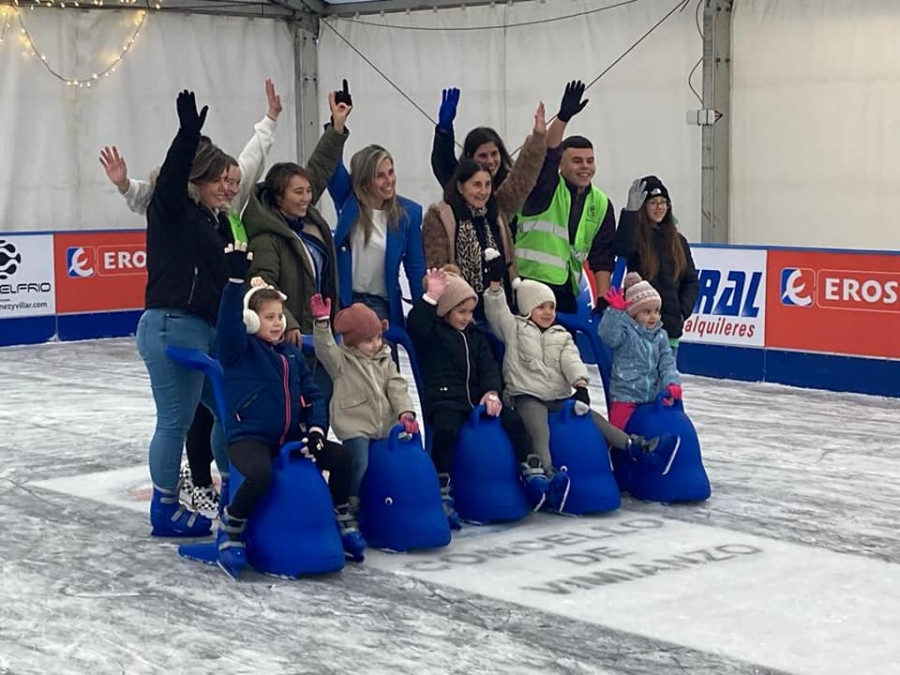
447,501
351,538
205,500
170,518
535,481
658,451
185,485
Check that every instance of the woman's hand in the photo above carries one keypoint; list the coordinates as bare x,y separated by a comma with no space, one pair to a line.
540,121
492,403
339,111
115,167
292,337
190,121
637,194
435,283
274,101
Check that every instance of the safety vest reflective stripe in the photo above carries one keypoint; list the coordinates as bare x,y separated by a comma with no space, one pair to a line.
541,257
545,226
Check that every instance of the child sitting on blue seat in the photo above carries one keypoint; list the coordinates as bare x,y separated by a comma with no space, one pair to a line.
370,395
643,364
459,370
541,367
271,400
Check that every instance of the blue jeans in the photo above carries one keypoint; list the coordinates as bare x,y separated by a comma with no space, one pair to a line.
376,303
176,389
358,449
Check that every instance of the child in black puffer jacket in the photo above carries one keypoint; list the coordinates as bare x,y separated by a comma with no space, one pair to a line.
459,370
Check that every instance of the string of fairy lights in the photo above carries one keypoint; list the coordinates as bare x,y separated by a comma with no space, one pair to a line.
16,12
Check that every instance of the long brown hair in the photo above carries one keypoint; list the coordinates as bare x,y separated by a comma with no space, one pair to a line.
363,167
646,251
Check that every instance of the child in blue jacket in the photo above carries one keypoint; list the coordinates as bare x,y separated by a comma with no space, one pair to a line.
643,364
271,399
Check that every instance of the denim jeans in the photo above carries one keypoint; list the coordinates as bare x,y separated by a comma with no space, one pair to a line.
358,449
176,389
376,303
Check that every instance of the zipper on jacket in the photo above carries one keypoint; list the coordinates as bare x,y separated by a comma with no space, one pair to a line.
193,286
468,369
287,400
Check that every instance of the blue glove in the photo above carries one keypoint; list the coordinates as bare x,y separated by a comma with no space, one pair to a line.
447,113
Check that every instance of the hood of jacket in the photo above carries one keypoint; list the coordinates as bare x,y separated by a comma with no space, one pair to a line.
260,215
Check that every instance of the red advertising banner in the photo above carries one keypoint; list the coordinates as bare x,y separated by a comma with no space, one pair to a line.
99,271
844,303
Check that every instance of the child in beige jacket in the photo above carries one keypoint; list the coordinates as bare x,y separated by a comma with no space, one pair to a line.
370,396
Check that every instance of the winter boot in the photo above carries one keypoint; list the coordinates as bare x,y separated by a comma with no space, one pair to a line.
447,499
535,481
351,537
558,492
205,500
230,543
169,518
658,451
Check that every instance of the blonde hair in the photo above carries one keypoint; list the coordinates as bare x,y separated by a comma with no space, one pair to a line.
363,168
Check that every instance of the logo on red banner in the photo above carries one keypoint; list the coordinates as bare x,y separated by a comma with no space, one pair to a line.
100,271
834,302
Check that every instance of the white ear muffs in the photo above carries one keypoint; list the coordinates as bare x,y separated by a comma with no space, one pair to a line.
251,318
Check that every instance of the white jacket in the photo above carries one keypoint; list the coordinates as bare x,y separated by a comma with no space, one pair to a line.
543,364
251,161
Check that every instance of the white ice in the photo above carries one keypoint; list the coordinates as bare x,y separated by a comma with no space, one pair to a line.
797,551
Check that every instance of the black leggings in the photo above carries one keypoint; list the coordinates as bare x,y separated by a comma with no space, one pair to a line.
199,449
253,458
446,423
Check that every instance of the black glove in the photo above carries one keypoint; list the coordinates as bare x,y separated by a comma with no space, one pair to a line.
315,443
600,306
571,103
237,262
190,121
343,96
581,394
495,269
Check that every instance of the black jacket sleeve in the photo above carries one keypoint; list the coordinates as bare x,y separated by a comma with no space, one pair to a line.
443,155
485,363
625,243
602,256
170,193
689,288
548,180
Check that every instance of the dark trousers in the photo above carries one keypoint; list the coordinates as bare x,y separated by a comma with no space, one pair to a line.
446,423
566,302
253,458
199,449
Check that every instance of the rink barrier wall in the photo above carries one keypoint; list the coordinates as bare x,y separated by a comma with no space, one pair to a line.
819,318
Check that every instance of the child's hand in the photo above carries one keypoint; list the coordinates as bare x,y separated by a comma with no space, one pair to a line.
492,403
494,265
616,299
315,444
237,261
435,283
674,391
582,400
321,308
410,425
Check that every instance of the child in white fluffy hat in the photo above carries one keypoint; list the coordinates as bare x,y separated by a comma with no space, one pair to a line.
541,367
643,363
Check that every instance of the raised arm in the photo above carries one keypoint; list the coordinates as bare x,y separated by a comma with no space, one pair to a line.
324,159
625,242
231,334
170,195
443,148
252,160
523,176
498,314
327,350
136,192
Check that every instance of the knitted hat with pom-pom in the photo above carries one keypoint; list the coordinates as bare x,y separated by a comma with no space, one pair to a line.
640,294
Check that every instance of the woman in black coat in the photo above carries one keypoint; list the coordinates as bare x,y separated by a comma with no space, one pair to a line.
648,238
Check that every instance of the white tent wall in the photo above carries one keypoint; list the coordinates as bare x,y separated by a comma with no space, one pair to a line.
636,114
50,177
816,123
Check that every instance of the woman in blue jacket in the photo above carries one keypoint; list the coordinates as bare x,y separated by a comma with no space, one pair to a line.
376,231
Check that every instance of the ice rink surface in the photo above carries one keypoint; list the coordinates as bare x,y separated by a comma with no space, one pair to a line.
790,567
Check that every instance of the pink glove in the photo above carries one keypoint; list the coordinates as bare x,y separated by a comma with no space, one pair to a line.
616,299
321,308
674,391
408,420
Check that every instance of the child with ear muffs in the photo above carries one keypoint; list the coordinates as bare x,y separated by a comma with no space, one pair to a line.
271,400
370,395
